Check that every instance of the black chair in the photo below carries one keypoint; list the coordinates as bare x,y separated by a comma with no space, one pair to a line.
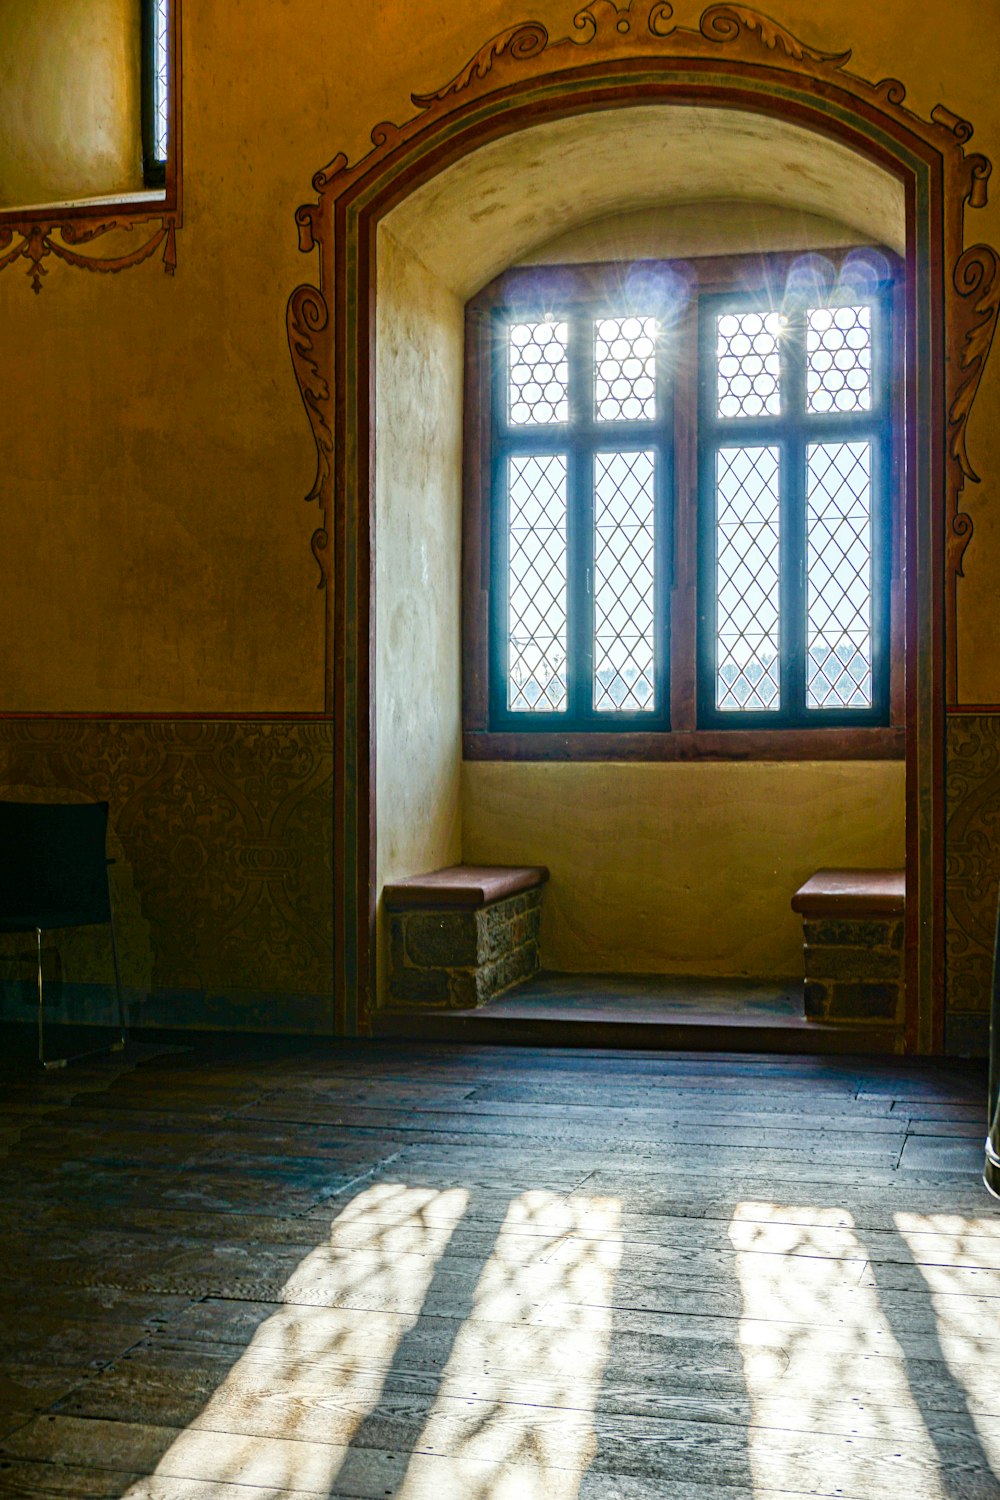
54,874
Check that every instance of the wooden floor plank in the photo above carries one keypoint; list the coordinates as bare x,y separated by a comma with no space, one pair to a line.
248,1269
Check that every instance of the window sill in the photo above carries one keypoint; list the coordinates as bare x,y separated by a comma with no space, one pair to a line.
132,204
127,202
878,743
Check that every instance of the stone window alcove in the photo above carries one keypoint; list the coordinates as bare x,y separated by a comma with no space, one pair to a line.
384,322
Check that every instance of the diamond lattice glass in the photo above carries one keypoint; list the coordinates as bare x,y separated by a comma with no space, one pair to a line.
624,551
538,374
536,577
625,369
838,575
749,364
748,538
161,79
839,359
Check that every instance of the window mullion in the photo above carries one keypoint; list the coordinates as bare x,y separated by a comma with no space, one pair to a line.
883,527
580,521
498,602
793,520
881,534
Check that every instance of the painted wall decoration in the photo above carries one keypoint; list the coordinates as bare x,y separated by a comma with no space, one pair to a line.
158,457
637,52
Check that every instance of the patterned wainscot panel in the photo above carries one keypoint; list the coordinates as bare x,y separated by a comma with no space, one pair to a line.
222,838
972,874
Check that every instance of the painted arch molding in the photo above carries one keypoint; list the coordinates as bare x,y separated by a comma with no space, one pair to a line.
620,56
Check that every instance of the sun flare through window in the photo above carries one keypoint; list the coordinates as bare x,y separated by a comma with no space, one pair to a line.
582,453
684,507
795,434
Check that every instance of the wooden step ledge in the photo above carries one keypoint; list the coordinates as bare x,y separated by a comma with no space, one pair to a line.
852,893
464,886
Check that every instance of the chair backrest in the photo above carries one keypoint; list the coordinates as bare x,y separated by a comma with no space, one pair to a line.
53,868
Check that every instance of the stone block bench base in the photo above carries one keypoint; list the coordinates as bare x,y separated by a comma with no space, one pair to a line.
853,924
459,936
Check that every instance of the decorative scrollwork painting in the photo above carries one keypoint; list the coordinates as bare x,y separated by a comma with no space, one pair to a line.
33,240
621,55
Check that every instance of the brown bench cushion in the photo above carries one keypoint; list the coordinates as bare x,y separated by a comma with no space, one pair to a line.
850,893
464,885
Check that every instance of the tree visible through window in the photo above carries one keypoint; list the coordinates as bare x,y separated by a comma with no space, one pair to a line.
633,406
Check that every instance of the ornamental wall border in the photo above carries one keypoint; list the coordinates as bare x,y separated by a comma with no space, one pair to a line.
635,52
644,30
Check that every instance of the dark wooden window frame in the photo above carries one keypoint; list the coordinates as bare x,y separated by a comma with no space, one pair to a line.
154,167
694,732
69,231
581,439
791,433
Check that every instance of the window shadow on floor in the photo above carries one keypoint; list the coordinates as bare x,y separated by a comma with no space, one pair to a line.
493,1391
948,1341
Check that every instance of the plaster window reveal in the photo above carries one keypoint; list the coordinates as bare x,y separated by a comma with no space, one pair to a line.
629,77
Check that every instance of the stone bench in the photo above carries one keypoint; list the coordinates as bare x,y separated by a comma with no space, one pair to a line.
459,936
852,927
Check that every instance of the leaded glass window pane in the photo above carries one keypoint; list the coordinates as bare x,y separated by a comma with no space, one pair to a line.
625,369
839,575
536,577
538,373
161,79
839,359
748,364
624,551
747,558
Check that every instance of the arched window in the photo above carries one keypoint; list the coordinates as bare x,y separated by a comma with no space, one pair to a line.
685,488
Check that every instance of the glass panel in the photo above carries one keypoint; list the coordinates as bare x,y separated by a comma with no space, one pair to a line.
624,549
536,583
839,575
625,369
749,364
747,579
537,390
161,78
839,359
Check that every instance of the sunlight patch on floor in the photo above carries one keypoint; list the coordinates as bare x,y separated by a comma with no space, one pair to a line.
826,1377
528,1431
315,1369
959,1259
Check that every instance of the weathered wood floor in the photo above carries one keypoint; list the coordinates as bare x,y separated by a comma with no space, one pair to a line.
484,1274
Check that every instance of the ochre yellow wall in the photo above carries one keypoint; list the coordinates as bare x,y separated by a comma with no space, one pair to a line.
155,451
688,230
155,448
680,869
418,519
69,86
